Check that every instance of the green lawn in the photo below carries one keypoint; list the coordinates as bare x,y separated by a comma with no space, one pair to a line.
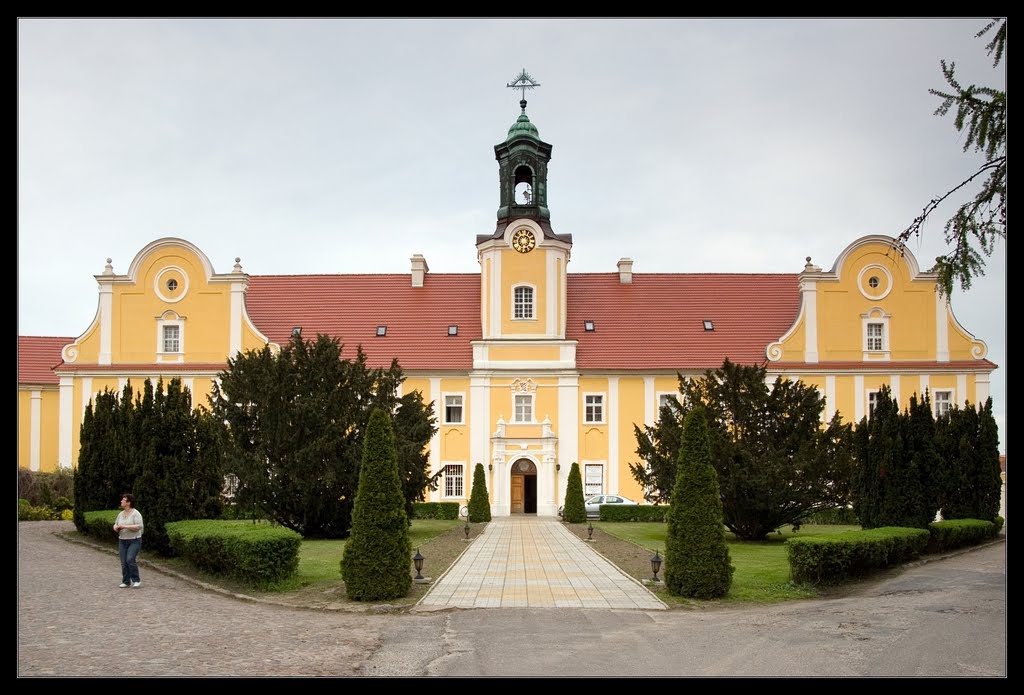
762,567
319,559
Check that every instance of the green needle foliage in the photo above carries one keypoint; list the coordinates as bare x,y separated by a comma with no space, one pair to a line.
696,555
479,502
574,510
376,562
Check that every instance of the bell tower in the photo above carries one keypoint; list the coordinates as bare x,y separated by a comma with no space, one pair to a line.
523,168
523,261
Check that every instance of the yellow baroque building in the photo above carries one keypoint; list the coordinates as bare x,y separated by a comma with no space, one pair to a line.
530,367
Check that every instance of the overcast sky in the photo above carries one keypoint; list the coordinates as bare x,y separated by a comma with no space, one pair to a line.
340,146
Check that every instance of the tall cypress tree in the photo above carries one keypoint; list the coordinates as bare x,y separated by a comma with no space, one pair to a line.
377,557
924,457
990,481
574,510
479,500
696,555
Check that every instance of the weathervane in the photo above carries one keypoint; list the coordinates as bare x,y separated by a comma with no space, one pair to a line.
523,82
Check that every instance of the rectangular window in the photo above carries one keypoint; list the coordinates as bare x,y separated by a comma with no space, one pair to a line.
593,408
171,339
875,335
453,410
453,476
593,479
522,303
524,409
943,400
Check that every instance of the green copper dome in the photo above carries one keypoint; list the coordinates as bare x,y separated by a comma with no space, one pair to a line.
522,128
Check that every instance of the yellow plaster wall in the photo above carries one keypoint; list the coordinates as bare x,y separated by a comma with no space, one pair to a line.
530,269
520,353
910,306
205,309
49,401
631,410
793,346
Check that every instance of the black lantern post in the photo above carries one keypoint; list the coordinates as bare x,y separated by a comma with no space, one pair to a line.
590,531
417,561
655,566
465,529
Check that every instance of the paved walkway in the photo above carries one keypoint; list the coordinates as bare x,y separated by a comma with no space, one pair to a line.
534,562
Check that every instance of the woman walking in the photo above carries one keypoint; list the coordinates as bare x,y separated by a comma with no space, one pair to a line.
128,528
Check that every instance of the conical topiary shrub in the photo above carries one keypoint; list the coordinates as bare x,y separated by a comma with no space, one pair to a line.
376,563
696,554
479,502
574,511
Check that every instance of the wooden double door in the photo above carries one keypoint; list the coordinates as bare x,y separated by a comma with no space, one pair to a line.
523,492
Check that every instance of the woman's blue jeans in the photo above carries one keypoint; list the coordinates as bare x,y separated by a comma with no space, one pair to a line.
129,552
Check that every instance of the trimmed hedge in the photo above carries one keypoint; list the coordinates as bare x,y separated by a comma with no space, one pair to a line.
956,533
448,511
100,525
257,554
825,560
630,512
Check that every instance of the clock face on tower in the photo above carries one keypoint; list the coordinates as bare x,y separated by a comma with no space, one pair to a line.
523,241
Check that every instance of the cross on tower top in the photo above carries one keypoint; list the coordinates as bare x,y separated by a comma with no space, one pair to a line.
523,82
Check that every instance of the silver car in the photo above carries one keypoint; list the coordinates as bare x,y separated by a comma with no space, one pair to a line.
593,504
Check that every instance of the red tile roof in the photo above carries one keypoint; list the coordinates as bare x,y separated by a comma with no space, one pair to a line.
657,321
653,323
350,307
37,356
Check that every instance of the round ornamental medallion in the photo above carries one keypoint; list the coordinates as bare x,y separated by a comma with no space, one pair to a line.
524,465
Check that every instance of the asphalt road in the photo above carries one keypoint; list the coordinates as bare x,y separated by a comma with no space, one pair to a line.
944,617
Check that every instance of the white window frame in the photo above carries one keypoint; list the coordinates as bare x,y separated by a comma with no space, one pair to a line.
461,406
593,479
169,356
527,400
517,305
872,401
951,399
661,395
454,474
589,408
871,351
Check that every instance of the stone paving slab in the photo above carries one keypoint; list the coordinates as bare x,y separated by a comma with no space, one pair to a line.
535,562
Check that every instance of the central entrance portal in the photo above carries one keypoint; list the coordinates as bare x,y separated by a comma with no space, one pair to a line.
524,487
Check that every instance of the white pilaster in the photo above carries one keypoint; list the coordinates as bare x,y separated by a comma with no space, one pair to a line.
106,321
434,455
237,305
858,397
67,407
830,397
961,388
35,413
613,434
809,295
941,328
